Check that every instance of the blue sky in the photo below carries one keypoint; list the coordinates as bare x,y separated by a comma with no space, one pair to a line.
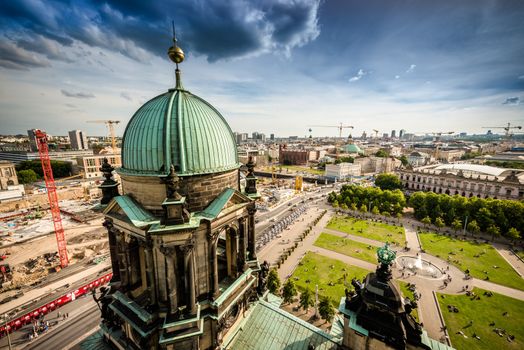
272,66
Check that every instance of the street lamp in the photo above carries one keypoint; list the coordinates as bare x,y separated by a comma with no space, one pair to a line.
465,225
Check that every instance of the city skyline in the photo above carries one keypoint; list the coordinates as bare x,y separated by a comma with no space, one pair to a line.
273,67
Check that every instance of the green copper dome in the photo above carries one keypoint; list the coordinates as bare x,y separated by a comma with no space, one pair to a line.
178,128
351,148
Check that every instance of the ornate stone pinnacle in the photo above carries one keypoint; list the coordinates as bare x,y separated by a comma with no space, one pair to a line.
107,169
386,255
172,184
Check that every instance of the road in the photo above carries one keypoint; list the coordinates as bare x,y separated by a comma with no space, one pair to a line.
282,209
84,317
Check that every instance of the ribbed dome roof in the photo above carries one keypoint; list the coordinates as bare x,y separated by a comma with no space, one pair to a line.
351,148
178,128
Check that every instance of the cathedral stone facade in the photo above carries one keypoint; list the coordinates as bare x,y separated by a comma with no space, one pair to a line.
182,233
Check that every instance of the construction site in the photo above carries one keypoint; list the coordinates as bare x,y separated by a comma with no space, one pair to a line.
45,237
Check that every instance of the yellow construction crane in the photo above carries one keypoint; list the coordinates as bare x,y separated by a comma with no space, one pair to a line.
111,128
507,129
339,127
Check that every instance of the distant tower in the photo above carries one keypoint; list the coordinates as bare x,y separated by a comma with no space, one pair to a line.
401,133
32,140
393,134
78,139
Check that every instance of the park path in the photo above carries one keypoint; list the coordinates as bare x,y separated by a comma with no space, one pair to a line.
344,258
354,238
287,268
510,257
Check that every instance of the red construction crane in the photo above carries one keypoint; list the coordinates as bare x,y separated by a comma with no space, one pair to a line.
43,150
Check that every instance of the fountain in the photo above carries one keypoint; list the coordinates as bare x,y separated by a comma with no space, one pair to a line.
419,266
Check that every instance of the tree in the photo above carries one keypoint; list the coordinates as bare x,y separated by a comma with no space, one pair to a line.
273,282
353,206
473,227
325,309
381,153
513,233
306,300
493,231
439,223
344,206
456,224
375,210
388,182
363,208
27,176
335,204
426,221
404,160
289,291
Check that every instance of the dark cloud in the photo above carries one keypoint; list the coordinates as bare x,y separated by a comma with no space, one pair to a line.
77,94
511,101
47,47
216,29
14,57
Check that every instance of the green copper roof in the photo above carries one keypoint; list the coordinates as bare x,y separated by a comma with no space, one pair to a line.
268,327
178,128
351,148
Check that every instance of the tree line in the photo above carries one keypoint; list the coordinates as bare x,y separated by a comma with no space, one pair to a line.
386,202
31,170
494,216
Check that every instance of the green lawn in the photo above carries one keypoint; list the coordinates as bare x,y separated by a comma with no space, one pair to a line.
347,247
475,257
368,229
316,269
299,169
482,312
407,293
520,253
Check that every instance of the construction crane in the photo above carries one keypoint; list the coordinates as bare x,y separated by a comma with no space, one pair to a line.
339,127
43,151
111,128
507,129
376,133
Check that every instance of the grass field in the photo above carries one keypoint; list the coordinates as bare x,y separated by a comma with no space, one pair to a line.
347,247
520,254
478,258
482,312
300,169
407,293
368,229
317,269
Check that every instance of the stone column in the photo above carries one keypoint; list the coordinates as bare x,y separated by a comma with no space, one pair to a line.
122,260
241,261
170,256
251,232
233,253
150,266
113,248
189,268
212,242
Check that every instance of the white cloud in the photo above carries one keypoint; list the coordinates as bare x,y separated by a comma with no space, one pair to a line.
359,75
397,76
411,68
521,77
